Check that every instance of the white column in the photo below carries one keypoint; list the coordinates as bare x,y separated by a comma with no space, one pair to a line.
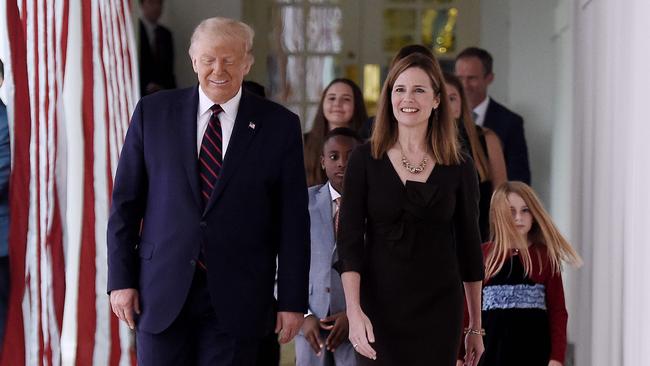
612,177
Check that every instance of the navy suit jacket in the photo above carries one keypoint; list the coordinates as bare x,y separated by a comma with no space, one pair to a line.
156,67
509,127
257,211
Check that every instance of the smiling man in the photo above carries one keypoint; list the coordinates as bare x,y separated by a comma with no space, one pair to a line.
209,190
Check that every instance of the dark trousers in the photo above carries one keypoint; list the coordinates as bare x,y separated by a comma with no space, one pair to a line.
269,351
195,337
4,296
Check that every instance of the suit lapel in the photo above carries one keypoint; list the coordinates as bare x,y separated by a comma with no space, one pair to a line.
186,117
245,129
489,118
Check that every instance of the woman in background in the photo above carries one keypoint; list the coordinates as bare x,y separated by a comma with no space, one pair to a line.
341,105
483,145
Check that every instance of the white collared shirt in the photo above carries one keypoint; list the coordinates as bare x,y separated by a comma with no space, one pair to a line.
150,28
481,110
335,194
227,119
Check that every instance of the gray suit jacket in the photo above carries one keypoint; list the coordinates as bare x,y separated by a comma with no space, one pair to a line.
325,288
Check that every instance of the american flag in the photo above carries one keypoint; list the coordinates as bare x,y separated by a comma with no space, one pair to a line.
70,86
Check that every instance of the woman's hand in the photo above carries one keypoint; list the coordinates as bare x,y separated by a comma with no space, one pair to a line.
361,333
473,349
554,363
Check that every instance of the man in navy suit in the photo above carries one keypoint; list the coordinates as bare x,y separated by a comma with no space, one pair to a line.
474,69
210,189
156,50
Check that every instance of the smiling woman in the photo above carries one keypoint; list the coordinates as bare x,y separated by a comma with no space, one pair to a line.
341,105
408,234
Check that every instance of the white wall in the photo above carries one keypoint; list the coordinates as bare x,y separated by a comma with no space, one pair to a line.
611,135
532,45
181,16
495,37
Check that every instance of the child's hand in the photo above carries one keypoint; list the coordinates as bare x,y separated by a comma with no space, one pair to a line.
338,330
554,363
312,333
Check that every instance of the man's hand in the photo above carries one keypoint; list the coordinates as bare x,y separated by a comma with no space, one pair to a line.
338,330
124,303
153,87
287,325
310,330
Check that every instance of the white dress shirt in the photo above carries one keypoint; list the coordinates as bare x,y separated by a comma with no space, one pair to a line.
481,110
227,119
150,28
334,195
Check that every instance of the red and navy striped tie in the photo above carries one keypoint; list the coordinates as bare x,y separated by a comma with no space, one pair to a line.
210,160
210,156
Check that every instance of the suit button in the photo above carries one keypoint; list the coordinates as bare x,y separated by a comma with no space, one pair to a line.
203,224
327,289
192,263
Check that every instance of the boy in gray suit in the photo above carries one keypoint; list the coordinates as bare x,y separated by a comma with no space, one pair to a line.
323,339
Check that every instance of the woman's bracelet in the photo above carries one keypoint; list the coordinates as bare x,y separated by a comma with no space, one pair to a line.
480,332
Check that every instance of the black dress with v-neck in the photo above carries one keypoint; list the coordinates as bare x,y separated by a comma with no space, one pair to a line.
413,245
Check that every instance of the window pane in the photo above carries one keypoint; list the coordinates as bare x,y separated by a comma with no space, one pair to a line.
295,76
399,28
309,118
323,29
320,71
292,23
439,29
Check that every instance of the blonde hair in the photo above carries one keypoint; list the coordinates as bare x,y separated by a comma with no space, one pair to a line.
442,135
505,237
224,28
477,151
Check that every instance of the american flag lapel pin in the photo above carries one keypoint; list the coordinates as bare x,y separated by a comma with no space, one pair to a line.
251,125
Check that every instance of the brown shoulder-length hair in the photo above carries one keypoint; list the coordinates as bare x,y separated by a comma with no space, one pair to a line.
505,237
316,136
478,153
442,135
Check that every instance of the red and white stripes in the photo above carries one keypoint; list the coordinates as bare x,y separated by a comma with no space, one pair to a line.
72,87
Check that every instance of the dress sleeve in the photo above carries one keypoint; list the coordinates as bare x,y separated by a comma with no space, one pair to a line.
466,230
352,217
557,316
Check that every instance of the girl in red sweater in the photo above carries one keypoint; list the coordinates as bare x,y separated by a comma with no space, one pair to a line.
523,311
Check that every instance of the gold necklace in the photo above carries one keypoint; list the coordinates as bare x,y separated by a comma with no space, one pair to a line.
413,169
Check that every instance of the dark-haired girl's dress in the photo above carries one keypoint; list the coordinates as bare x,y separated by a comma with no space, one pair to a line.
524,316
413,245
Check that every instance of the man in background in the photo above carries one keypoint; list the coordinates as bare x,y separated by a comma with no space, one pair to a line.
474,69
156,50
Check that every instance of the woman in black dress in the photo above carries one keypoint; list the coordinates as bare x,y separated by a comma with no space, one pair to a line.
409,236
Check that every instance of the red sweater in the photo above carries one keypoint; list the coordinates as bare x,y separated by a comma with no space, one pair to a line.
555,305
